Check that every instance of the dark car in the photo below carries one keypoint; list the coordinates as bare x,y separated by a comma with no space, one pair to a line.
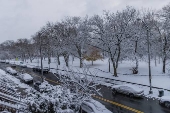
46,70
36,85
7,62
13,66
38,69
2,61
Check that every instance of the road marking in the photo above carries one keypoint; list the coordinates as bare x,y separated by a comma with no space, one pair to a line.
52,81
118,104
103,99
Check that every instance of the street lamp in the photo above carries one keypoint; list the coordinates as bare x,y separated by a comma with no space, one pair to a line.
149,62
40,38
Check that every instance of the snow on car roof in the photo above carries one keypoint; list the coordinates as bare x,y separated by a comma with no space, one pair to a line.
97,106
27,76
11,70
129,85
166,98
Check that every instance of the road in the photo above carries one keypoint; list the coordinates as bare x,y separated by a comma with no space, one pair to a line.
116,103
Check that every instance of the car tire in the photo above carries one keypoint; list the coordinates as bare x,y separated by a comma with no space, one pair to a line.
114,91
131,95
167,104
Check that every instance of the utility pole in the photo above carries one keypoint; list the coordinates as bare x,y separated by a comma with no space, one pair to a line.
149,64
40,38
149,58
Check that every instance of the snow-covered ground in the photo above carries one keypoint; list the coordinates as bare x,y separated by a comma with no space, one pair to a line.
14,83
101,68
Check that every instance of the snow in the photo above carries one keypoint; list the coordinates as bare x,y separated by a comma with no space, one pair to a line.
165,98
9,104
13,81
97,106
100,68
135,88
9,69
26,76
5,112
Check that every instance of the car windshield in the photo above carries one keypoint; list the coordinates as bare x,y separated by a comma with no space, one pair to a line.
38,83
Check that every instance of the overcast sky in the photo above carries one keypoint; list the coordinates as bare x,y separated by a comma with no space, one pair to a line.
23,18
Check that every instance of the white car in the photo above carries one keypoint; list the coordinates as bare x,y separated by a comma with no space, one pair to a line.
22,64
26,78
7,61
11,71
93,106
128,89
165,100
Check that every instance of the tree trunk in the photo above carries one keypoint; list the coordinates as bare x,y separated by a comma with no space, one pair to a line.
72,59
49,62
155,61
135,71
80,55
114,67
164,65
109,64
115,71
164,54
92,63
81,62
66,58
58,59
136,59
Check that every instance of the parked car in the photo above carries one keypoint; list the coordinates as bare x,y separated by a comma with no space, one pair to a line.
11,71
46,70
7,61
165,100
38,69
128,89
22,64
13,65
93,106
2,61
26,78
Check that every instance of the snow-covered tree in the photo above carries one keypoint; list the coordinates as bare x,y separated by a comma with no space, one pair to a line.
112,33
73,91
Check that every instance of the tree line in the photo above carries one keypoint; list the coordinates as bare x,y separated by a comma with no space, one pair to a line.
125,34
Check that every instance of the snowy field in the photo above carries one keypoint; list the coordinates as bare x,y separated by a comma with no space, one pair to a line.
100,68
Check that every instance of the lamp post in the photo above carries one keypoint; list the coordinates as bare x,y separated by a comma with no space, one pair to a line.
149,59
149,63
41,56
